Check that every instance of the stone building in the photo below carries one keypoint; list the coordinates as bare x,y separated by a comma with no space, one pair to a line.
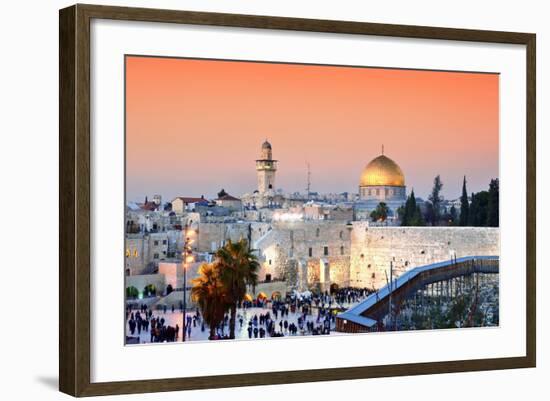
265,196
144,251
182,204
266,168
230,202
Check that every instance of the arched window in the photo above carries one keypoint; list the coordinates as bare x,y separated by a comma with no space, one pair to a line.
341,234
317,232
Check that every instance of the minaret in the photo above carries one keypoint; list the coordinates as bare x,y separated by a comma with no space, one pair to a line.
266,167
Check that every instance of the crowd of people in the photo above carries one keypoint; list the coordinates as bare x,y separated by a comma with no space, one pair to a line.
297,314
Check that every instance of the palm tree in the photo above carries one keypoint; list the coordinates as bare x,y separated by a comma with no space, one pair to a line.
239,268
209,293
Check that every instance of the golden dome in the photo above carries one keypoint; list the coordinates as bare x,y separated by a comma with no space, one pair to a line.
382,171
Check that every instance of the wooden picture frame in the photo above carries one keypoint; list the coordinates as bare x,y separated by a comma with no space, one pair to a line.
75,208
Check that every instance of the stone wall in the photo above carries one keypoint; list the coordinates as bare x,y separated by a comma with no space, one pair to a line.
214,235
372,249
356,254
305,242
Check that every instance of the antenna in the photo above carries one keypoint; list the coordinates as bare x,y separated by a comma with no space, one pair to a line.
308,179
382,149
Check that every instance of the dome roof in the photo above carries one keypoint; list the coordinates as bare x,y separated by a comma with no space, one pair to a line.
382,171
266,145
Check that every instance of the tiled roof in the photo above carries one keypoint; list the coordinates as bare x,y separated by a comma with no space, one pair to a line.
186,199
228,198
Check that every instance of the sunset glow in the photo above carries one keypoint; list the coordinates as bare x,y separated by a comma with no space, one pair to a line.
196,126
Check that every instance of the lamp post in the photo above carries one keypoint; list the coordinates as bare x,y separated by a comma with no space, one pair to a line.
187,257
391,290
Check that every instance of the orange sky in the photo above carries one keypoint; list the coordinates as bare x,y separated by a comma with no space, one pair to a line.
195,126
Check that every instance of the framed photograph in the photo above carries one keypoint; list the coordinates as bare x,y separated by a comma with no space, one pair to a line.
346,199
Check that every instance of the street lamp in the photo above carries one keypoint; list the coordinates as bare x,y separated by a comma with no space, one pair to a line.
187,258
391,288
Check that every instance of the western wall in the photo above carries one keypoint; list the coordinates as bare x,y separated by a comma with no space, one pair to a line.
316,254
373,248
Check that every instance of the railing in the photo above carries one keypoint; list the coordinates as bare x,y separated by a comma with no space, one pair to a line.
364,316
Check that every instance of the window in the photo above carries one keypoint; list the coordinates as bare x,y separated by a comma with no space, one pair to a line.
341,234
127,253
135,253
155,243
341,250
373,275
325,251
156,256
164,242
270,262
317,232
310,251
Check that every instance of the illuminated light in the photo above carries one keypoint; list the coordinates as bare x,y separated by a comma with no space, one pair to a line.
288,216
135,253
189,259
128,253
140,295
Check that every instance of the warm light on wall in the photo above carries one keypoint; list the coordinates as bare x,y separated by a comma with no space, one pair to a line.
288,216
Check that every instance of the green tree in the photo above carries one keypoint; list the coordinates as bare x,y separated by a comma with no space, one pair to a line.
429,214
464,206
435,200
493,204
411,215
380,213
239,268
479,209
401,213
210,294
149,290
453,216
132,292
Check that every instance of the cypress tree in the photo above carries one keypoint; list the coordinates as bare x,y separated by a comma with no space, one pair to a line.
493,206
464,206
435,199
473,211
411,215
